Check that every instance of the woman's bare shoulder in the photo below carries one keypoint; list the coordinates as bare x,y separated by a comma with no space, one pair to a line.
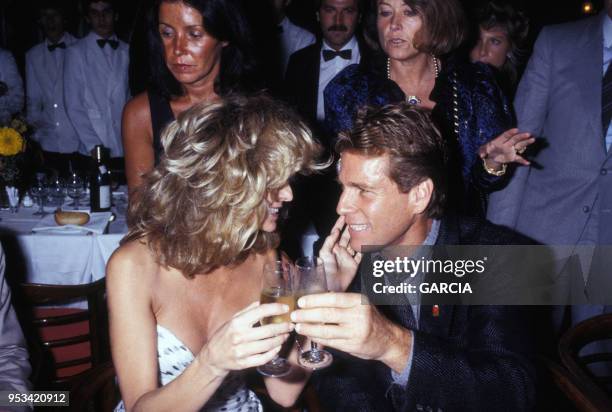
132,261
137,109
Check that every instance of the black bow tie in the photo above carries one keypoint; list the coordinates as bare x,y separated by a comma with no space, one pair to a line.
331,54
52,47
113,43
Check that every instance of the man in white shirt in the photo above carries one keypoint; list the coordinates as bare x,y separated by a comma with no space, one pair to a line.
310,70
11,87
45,90
292,37
96,83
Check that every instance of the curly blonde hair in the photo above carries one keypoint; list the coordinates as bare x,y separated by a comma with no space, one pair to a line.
203,206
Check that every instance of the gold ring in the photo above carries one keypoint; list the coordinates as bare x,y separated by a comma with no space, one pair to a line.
521,150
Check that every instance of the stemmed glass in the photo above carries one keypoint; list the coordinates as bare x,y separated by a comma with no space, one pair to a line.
74,189
40,191
57,192
277,286
311,279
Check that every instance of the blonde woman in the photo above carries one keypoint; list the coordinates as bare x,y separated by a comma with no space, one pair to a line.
183,287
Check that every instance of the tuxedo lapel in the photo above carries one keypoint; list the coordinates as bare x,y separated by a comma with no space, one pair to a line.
311,80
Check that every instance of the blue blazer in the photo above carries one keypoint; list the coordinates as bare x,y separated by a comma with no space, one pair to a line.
469,358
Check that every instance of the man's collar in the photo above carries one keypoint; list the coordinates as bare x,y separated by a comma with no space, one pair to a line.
62,39
111,37
434,231
607,30
284,23
351,45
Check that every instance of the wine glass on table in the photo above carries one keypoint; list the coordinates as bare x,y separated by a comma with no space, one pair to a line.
311,279
277,287
74,189
40,191
57,191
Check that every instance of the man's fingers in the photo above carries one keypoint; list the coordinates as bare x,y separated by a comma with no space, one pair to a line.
345,238
320,315
508,134
333,236
331,299
318,331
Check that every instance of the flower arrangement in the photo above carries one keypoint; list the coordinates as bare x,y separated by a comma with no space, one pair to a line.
14,158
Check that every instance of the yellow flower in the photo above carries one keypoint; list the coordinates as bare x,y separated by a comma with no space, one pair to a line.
11,142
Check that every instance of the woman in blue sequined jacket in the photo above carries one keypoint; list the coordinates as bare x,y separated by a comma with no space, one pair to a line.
416,37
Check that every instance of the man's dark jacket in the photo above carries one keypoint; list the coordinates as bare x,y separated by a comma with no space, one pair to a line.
469,358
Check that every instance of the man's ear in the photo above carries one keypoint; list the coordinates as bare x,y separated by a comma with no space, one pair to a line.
420,195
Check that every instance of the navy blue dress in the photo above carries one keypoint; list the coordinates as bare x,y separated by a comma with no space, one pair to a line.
484,113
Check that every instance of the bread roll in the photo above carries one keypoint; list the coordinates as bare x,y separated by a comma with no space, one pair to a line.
71,218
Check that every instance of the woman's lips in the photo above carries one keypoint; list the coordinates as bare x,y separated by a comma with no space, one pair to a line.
182,67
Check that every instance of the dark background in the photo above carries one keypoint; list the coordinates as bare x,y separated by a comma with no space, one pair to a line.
19,29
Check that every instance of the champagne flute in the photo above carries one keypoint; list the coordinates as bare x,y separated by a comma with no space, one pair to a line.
310,280
74,189
277,287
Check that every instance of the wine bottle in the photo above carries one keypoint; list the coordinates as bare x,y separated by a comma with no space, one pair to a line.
99,182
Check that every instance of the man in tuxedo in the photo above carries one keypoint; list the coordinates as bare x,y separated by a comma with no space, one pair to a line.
412,356
310,70
565,96
11,86
291,36
96,83
45,90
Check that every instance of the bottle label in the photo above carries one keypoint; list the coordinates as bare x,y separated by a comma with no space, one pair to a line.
105,197
102,169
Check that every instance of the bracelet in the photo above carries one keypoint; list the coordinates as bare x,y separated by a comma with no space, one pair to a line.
494,172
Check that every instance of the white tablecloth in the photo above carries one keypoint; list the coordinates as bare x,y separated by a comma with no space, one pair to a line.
53,258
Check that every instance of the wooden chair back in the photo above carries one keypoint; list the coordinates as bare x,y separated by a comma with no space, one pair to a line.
589,391
71,327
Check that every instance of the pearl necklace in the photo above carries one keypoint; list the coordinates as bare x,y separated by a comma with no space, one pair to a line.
413,99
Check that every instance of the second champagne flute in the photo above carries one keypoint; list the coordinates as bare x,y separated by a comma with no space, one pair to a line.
277,287
310,280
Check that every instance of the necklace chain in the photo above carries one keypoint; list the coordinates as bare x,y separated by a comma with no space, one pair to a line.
413,99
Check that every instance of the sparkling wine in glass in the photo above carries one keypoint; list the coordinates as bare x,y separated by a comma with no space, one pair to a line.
311,279
277,287
74,189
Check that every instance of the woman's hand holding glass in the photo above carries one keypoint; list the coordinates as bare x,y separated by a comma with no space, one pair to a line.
240,344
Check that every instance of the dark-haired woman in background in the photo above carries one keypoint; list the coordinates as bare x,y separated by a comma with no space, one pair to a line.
417,38
200,50
502,31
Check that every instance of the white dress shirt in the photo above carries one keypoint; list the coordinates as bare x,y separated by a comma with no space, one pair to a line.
95,92
12,101
45,97
329,69
293,38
